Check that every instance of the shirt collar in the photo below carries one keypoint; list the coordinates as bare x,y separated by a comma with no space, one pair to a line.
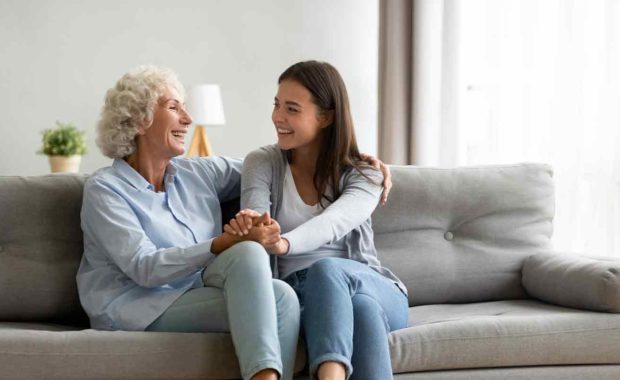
171,172
136,180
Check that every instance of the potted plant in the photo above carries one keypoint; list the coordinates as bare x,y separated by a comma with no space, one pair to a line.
64,145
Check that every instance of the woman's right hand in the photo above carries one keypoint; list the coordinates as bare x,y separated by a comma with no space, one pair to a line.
280,248
265,231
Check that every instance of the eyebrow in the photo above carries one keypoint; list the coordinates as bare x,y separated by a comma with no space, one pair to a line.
171,99
289,102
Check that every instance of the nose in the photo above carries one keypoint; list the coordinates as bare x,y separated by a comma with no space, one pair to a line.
277,116
186,119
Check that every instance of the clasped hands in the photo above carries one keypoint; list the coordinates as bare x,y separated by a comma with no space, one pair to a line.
251,225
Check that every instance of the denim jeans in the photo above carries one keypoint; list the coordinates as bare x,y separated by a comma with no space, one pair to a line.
240,296
348,310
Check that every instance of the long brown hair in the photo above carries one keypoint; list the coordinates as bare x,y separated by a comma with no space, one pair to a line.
338,151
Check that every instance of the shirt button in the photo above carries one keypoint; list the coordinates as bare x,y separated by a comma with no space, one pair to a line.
448,236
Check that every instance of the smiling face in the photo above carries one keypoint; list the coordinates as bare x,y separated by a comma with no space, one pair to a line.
165,138
297,119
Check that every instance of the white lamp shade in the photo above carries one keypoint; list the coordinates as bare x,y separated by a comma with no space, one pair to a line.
204,104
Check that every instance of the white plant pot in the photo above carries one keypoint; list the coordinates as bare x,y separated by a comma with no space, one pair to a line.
65,164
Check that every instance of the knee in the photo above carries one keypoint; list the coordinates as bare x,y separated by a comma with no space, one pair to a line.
247,256
248,251
367,312
286,299
248,246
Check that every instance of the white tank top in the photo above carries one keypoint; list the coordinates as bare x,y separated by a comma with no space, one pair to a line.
294,212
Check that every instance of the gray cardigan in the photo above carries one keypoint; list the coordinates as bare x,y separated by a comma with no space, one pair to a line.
348,217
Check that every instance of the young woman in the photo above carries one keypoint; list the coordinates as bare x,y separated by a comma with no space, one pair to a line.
315,184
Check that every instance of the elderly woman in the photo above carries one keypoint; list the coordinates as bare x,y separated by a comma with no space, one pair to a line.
155,257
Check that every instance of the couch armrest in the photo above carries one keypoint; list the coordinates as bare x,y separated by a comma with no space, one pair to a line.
573,281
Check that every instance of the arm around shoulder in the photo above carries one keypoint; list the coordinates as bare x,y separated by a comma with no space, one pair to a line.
226,175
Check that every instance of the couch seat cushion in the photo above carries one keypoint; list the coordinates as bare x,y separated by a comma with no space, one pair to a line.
503,334
37,351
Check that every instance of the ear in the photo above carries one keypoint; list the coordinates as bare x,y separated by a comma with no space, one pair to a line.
326,118
142,127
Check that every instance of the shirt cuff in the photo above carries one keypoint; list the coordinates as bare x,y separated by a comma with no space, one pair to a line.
200,254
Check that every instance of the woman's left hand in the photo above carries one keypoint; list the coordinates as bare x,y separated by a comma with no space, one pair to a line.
280,248
385,170
242,223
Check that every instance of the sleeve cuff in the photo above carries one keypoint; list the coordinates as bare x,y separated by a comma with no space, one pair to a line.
200,254
289,247
287,236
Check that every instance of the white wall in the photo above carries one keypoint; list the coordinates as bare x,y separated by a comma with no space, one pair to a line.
58,57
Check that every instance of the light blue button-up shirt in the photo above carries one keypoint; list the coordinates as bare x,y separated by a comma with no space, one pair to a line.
143,249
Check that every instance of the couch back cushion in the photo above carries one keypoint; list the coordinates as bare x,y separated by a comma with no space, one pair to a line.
40,248
452,235
462,235
41,245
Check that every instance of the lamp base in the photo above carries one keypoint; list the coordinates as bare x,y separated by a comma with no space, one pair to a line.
199,146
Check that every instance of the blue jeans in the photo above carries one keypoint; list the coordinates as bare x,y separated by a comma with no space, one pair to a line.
240,296
348,310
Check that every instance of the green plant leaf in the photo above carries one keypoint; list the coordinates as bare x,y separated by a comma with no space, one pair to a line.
63,140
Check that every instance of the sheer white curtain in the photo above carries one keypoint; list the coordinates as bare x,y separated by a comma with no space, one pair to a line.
540,81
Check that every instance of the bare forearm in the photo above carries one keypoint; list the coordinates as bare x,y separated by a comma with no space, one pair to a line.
227,240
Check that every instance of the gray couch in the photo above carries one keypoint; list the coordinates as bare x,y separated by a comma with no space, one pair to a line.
488,298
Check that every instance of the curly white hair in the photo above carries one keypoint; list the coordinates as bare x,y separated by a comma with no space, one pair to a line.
128,104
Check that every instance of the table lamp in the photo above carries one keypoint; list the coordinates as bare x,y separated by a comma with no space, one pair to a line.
204,104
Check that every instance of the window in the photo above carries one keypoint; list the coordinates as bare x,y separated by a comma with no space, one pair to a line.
540,81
